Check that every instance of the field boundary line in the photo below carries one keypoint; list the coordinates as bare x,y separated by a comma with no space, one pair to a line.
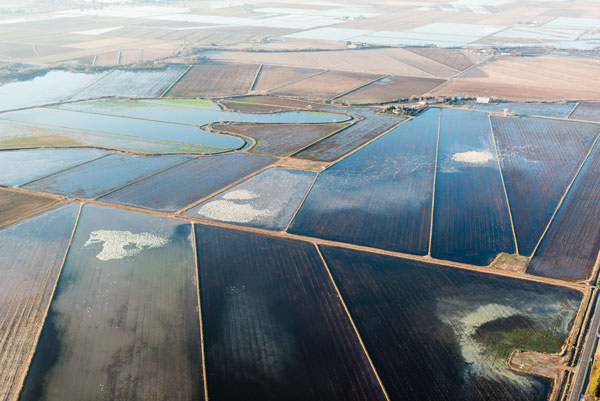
62,171
221,190
360,340
302,202
256,77
573,109
145,177
197,275
563,197
359,87
437,147
393,127
318,72
510,215
175,81
50,300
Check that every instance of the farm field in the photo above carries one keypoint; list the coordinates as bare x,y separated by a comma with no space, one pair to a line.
16,206
454,327
180,186
539,158
272,77
123,323
471,222
326,85
561,110
53,86
589,111
570,247
281,139
31,256
391,89
273,326
138,83
215,80
528,79
379,196
105,175
123,127
16,167
460,60
336,146
267,200
267,104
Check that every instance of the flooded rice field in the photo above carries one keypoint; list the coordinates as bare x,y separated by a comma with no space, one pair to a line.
379,196
539,158
105,175
31,255
560,110
453,327
570,247
267,200
182,185
471,219
589,111
274,328
124,321
22,166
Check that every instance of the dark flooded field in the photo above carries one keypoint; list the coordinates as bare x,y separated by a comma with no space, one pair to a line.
561,110
180,186
16,167
123,324
274,328
539,158
570,247
31,255
589,111
99,177
437,333
379,196
336,146
471,223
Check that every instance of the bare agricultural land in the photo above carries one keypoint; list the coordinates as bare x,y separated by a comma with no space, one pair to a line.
272,77
529,78
390,89
215,80
17,206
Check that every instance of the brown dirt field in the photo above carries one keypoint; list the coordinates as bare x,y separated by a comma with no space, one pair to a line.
452,58
390,89
272,77
547,365
512,263
326,85
214,80
281,139
540,78
17,206
300,164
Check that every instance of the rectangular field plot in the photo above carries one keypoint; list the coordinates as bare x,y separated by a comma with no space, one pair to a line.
21,166
589,111
16,206
99,177
267,200
379,196
124,128
326,85
215,80
439,333
390,89
189,182
570,247
273,326
141,83
281,139
51,87
560,110
124,321
539,158
471,223
31,255
272,77
338,145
